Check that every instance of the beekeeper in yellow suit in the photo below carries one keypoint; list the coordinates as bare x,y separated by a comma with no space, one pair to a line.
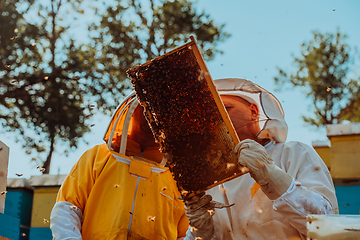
287,180
120,189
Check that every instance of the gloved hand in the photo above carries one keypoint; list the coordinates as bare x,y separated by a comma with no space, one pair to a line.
199,209
199,212
273,181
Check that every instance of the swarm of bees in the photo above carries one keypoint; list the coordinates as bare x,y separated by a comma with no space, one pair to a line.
185,120
41,169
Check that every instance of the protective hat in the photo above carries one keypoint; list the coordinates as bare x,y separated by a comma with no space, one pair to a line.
121,122
272,118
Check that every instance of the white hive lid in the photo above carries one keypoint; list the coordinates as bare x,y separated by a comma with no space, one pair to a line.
342,129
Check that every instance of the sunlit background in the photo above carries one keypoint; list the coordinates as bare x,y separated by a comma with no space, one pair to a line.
265,35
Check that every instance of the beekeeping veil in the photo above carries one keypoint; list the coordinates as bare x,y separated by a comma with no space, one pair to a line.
121,121
271,120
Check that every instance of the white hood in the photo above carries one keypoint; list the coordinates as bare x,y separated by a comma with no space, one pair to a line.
272,117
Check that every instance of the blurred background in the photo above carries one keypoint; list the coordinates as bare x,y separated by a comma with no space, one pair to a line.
63,71
63,64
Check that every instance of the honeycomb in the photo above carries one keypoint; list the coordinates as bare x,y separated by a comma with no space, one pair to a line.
185,120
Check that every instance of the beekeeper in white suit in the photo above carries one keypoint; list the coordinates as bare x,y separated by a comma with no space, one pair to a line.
287,180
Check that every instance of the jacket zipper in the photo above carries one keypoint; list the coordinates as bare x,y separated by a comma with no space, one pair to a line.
133,206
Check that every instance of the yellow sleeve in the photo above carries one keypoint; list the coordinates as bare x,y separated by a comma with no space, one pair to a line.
78,184
183,226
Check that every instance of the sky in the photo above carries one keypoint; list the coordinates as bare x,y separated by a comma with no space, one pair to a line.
265,35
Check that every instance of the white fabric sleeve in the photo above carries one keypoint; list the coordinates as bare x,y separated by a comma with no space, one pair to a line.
65,221
297,202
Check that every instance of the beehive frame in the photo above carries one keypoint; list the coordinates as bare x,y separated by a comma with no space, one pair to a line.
188,119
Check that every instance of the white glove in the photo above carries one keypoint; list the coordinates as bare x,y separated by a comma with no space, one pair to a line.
273,181
199,209
199,212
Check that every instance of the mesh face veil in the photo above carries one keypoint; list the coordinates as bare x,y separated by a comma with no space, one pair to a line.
271,114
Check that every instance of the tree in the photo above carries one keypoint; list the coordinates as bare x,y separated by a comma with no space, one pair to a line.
11,52
134,32
352,110
39,90
49,80
322,72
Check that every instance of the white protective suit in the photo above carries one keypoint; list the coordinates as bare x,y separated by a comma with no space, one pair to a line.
254,215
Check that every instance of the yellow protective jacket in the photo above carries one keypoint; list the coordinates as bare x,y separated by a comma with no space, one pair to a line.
119,196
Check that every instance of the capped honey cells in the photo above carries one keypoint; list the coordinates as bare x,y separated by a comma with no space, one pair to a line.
185,120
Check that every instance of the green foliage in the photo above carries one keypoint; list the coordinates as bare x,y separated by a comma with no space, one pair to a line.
36,91
134,32
322,72
48,80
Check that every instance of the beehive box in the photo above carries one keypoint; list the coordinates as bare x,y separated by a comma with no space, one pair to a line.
325,227
19,198
188,119
323,148
46,188
9,227
4,161
345,150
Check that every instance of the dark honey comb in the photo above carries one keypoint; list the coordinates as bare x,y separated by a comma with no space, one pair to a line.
185,120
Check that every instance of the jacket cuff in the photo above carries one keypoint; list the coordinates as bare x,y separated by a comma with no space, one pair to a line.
65,221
